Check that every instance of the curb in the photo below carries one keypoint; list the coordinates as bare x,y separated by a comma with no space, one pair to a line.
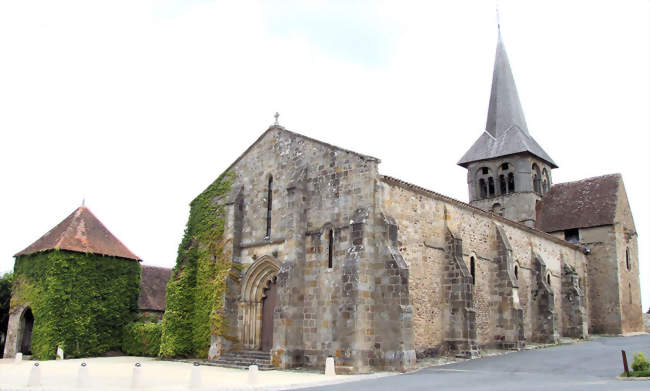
625,378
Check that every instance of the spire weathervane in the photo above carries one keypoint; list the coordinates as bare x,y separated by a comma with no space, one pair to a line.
277,115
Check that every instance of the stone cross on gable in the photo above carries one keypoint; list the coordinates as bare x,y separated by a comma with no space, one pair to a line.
277,115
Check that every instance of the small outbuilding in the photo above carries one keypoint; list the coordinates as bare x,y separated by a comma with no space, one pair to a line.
76,287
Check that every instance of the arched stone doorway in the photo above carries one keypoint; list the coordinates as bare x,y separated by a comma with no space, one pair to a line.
26,327
258,299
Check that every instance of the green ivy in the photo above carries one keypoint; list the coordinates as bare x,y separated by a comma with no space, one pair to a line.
142,339
6,282
80,301
195,291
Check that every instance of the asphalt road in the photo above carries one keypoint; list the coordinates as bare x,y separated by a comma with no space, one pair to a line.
591,365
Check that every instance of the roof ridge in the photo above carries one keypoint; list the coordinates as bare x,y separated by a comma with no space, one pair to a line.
480,211
71,216
86,209
155,267
616,174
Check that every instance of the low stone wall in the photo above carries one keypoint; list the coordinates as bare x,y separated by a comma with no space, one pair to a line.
646,322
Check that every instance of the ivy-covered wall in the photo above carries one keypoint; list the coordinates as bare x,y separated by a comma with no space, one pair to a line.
6,282
142,338
194,309
79,301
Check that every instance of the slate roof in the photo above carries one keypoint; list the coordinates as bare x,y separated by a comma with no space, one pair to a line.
506,132
152,288
586,203
82,232
495,217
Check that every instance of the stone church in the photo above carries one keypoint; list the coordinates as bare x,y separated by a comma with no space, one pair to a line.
339,260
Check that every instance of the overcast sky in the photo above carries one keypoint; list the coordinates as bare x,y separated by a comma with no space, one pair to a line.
137,106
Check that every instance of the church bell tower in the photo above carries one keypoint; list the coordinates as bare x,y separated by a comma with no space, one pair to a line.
507,171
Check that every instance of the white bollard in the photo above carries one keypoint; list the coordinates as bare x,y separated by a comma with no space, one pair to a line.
136,378
34,379
59,353
83,379
329,367
253,377
195,376
19,357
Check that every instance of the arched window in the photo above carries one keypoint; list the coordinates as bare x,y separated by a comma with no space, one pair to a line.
330,248
627,258
482,188
511,182
497,209
506,178
472,269
546,181
269,207
485,182
537,180
516,271
548,279
503,186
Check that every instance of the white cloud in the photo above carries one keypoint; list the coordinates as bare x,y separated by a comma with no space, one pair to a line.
138,106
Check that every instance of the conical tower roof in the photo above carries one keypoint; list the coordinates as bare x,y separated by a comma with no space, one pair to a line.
82,232
506,132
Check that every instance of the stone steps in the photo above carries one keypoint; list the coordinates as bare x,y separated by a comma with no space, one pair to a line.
242,359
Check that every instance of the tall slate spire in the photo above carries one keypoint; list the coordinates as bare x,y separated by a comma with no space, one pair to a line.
505,109
506,132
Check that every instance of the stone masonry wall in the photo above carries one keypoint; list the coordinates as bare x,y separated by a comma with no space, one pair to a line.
629,284
321,311
423,217
604,304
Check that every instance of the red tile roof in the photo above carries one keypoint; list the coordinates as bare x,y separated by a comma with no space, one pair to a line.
586,203
82,232
152,288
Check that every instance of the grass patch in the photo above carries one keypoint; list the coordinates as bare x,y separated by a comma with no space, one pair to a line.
637,374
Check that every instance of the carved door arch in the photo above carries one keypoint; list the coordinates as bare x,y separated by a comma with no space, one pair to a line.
259,277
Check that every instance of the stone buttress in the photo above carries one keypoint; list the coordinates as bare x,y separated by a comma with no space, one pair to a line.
544,320
457,281
509,331
573,304
393,315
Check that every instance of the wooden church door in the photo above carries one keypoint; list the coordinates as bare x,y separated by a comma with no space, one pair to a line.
268,305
